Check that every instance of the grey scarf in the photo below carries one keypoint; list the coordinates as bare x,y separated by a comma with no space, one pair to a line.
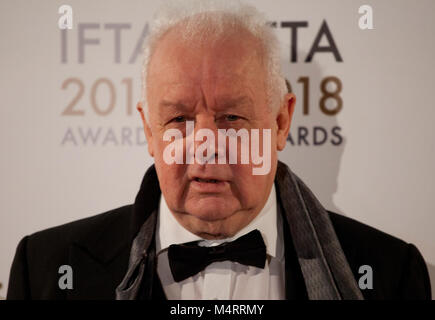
326,273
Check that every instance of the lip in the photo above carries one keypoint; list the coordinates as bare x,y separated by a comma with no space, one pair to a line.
208,187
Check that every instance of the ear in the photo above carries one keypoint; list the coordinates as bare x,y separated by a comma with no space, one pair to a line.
147,129
283,120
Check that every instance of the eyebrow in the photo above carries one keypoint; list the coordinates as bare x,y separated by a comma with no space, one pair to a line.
177,104
225,104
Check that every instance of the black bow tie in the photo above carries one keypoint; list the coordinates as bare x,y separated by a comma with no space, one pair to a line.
189,258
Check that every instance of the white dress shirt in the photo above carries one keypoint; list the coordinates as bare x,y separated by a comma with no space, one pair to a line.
225,280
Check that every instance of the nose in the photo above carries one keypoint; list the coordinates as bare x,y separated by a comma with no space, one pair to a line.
205,122
205,145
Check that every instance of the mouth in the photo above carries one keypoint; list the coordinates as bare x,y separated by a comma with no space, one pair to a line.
206,180
209,185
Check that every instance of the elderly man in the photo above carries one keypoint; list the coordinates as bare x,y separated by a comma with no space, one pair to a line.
212,220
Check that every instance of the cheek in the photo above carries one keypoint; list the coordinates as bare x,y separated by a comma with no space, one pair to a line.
172,182
159,146
170,175
170,172
247,187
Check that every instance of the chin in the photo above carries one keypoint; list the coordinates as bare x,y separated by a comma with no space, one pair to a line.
211,209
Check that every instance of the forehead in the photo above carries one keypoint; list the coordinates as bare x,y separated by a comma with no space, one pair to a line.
223,66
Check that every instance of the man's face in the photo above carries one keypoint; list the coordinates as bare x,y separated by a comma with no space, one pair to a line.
219,85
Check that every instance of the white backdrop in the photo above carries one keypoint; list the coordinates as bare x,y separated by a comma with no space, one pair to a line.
373,161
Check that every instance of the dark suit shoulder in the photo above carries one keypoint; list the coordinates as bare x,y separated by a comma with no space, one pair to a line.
34,272
80,230
399,270
364,235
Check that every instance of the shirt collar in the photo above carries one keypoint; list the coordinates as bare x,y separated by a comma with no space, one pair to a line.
268,222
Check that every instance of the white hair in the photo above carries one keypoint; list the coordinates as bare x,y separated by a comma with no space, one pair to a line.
205,19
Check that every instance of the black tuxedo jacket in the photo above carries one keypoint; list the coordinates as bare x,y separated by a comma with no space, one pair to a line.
98,248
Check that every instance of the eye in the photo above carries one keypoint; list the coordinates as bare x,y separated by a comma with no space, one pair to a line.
178,119
232,117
